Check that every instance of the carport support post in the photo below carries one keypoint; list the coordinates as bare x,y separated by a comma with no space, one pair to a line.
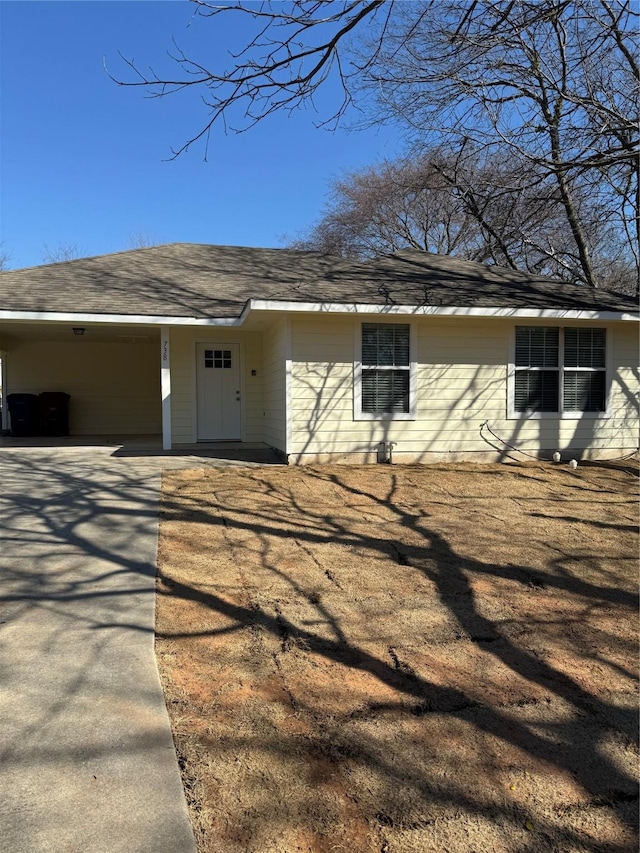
4,412
165,384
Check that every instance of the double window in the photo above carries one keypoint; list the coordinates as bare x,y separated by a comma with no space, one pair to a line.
384,374
559,370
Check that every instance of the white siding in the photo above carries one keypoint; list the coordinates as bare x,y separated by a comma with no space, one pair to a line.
625,384
274,371
461,383
114,387
184,387
322,389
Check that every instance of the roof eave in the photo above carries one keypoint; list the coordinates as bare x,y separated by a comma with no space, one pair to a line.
260,305
438,310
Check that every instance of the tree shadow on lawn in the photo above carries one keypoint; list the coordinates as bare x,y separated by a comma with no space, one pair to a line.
573,741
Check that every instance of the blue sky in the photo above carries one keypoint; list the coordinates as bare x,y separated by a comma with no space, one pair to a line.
84,161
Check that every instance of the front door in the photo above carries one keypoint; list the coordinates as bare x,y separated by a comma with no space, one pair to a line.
218,375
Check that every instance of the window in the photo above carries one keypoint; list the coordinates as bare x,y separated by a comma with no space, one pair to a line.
217,358
559,370
384,374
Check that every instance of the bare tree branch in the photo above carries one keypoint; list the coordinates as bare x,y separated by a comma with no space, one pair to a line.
62,252
5,257
551,83
478,206
270,73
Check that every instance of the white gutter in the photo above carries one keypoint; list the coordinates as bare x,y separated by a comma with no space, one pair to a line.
318,308
132,319
433,310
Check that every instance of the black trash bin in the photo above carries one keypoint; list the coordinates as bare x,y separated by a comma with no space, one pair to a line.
24,413
54,413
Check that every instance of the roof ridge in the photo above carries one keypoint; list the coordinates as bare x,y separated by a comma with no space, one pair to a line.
120,252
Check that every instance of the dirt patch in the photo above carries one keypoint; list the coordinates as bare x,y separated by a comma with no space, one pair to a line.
398,659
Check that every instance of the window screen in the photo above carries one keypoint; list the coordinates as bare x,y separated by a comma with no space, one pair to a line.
386,391
559,372
584,391
584,386
584,348
536,391
537,346
385,368
385,344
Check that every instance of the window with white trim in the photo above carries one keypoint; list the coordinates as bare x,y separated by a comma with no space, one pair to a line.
559,370
385,370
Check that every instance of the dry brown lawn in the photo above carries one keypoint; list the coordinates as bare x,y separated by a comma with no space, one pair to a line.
400,658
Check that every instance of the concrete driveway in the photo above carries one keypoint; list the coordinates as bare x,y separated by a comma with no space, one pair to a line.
86,758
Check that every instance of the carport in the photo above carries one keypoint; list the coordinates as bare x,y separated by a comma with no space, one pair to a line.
110,371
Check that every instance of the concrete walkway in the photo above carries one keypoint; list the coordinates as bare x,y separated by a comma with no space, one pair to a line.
87,763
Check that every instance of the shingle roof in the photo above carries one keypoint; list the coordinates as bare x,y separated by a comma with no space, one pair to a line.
192,280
